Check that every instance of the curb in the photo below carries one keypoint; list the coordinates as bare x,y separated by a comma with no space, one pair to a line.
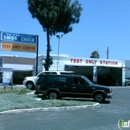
49,109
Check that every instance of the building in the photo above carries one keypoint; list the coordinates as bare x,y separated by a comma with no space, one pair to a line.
101,71
20,66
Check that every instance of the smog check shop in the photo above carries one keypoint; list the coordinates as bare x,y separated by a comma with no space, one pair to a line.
101,71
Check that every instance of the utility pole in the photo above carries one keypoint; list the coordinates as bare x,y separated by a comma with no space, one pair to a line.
107,52
59,37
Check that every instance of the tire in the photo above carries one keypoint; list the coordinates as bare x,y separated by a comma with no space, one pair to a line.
30,85
99,97
53,95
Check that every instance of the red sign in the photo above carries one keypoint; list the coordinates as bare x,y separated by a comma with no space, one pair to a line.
18,47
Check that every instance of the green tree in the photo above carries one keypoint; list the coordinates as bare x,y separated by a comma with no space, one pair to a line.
55,16
95,54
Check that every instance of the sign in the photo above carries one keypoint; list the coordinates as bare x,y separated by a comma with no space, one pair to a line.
18,47
97,62
18,38
7,78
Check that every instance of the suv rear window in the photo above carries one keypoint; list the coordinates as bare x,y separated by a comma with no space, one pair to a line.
52,79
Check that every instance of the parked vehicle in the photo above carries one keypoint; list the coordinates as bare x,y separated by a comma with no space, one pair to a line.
127,81
58,86
30,82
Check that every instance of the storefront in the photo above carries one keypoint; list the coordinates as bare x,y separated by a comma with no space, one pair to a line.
19,67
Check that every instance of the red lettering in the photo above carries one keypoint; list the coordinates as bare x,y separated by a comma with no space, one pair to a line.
33,48
116,63
109,62
87,61
90,61
71,60
6,46
113,62
16,47
80,60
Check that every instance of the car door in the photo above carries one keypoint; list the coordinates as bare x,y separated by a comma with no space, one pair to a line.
40,84
80,87
62,85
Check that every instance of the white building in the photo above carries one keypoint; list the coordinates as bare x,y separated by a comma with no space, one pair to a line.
102,71
97,70
20,66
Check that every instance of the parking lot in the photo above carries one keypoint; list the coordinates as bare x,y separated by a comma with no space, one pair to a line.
99,118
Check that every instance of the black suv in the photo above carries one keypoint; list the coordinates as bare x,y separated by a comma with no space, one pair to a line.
58,86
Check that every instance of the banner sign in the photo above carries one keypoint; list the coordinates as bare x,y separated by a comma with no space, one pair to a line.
95,62
18,38
18,47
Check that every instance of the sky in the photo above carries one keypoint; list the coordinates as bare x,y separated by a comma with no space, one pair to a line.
103,24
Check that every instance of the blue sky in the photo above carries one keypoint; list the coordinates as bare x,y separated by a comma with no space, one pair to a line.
103,23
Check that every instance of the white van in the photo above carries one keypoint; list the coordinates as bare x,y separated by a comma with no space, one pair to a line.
30,82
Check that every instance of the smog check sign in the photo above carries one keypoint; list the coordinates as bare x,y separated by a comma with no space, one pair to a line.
18,42
18,38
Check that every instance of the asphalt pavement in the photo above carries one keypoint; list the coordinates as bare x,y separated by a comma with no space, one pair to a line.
105,117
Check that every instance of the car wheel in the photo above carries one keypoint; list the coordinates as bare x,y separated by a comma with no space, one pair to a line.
30,85
99,97
53,95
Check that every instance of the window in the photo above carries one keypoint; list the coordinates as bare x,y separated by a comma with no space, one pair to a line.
54,73
63,79
78,81
50,79
57,79
42,79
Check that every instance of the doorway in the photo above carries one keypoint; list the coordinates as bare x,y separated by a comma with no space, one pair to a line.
1,77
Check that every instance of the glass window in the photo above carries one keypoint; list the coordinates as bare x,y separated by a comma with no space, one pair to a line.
50,79
54,73
47,72
66,73
63,79
78,81
41,74
41,79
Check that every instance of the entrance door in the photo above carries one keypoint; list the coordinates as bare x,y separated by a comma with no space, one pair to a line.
1,77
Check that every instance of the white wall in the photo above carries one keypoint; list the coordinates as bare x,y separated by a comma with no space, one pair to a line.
18,67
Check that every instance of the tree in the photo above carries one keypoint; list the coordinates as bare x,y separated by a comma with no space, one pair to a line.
55,16
95,54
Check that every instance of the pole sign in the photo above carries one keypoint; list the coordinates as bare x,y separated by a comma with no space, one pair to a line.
18,47
18,38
